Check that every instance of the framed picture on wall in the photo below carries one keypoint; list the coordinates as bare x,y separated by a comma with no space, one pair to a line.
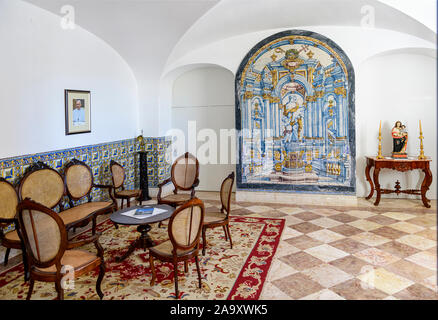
77,111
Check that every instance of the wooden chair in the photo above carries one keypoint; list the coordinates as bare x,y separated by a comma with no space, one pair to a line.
184,234
220,218
48,251
184,177
118,177
79,182
8,215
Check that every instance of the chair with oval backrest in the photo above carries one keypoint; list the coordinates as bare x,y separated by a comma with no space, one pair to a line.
184,234
79,183
118,177
8,215
184,177
49,253
220,218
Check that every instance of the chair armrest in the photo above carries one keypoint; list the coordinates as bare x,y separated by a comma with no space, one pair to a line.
160,187
76,244
111,192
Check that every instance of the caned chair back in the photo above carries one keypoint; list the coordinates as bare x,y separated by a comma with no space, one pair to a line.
118,173
8,200
78,179
226,189
185,225
43,185
43,232
185,171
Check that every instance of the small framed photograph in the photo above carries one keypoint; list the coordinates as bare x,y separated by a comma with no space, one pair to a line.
77,111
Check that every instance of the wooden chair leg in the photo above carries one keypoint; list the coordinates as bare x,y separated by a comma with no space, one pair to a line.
59,289
186,266
128,201
151,263
199,271
225,231
121,204
204,242
99,280
25,265
229,235
93,228
8,250
159,224
175,272
116,225
29,293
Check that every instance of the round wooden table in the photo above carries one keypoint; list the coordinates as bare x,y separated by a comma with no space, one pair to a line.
144,241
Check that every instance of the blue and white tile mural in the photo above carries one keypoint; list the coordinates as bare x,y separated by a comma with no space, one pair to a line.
295,113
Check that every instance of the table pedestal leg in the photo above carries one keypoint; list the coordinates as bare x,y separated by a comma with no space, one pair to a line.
367,175
377,185
427,181
142,242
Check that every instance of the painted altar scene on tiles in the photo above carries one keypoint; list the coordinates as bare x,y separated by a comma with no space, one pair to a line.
295,112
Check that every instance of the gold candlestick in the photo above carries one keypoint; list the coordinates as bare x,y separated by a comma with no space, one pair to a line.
379,155
421,156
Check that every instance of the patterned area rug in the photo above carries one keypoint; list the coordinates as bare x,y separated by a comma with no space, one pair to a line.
234,274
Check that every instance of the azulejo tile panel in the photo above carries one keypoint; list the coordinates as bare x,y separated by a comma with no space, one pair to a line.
98,157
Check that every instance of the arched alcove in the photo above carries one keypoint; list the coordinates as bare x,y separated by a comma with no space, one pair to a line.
202,107
295,111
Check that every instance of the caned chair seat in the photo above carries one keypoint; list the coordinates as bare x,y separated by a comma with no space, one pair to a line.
165,249
78,259
177,198
214,216
82,211
128,193
12,236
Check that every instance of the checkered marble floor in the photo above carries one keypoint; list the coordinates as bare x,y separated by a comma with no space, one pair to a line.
349,252
345,252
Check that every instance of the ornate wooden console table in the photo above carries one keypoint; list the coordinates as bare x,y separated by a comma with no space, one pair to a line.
399,165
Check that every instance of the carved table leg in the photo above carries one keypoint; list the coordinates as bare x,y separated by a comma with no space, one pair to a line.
142,242
377,185
367,175
427,181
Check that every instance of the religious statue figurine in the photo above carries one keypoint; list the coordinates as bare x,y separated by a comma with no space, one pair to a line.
400,138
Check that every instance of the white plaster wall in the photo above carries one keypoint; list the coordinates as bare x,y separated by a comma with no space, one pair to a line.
372,86
38,61
206,95
399,85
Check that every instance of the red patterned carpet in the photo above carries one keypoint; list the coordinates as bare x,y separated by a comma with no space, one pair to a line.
233,274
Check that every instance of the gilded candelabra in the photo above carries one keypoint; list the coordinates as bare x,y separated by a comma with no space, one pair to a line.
379,155
421,156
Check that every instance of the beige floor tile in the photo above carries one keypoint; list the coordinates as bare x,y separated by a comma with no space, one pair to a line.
307,215
355,289
346,230
291,220
424,259
361,214
280,270
351,265
370,239
364,225
376,257
290,233
271,292
285,249
428,234
290,210
410,270
398,215
349,245
398,249
325,294
301,261
326,212
431,283
306,227
325,235
326,253
385,281
327,275
303,242
417,242
326,222
407,227
417,292
259,209
388,232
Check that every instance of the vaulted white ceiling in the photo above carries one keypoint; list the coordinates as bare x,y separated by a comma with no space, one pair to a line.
152,34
